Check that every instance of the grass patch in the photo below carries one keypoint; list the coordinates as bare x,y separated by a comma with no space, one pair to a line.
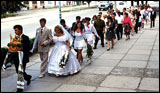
77,9
8,15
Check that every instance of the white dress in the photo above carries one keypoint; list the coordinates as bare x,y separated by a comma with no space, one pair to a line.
58,51
89,30
79,42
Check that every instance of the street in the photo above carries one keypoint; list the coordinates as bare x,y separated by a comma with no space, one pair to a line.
131,66
30,21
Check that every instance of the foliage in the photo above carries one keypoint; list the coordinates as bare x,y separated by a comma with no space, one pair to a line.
8,15
4,51
89,51
11,6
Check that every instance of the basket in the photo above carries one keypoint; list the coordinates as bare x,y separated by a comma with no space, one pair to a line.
15,46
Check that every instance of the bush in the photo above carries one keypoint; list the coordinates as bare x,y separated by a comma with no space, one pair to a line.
4,51
8,15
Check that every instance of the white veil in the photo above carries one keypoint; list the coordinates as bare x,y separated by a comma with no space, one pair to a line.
68,34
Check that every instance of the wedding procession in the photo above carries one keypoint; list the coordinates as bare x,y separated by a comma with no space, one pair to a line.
70,44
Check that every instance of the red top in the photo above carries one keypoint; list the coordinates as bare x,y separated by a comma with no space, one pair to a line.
127,20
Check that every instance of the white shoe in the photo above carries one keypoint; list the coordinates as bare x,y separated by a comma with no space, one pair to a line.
41,75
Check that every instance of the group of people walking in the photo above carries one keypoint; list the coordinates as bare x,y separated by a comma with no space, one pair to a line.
83,33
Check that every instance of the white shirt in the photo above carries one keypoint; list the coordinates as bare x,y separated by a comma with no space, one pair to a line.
142,12
119,19
140,19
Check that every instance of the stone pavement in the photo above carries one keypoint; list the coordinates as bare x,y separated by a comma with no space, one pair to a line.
132,66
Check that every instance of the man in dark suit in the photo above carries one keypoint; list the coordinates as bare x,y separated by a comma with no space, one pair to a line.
152,17
78,18
14,56
137,13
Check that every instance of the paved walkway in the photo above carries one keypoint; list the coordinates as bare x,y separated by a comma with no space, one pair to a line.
132,66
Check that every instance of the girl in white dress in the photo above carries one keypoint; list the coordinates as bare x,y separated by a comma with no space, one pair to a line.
61,47
89,30
80,41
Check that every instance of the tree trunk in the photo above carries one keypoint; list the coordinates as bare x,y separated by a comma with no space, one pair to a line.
138,3
142,2
132,4
146,3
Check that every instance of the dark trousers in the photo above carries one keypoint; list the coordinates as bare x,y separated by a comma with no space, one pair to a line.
136,27
152,22
102,39
119,30
15,58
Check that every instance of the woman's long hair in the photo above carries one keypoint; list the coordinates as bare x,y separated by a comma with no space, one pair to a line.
82,26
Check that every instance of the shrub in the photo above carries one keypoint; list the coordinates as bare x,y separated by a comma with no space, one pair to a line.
4,51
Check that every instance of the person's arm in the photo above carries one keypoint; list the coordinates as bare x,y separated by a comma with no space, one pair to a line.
49,38
94,31
35,43
68,44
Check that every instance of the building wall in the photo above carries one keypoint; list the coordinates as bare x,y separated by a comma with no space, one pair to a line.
46,4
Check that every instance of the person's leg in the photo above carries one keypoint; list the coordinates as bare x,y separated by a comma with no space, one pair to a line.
153,22
136,29
44,56
26,76
79,55
16,62
96,42
117,32
108,44
132,30
102,40
121,30
112,43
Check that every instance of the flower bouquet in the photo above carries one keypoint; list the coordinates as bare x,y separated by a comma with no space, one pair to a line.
90,52
64,60
15,45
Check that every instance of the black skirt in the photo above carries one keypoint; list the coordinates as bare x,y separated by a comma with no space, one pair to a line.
110,35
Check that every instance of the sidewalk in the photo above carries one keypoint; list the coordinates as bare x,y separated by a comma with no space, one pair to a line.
132,66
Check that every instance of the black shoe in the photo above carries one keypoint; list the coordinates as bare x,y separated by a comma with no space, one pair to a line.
118,39
102,45
106,42
29,81
128,37
95,48
19,90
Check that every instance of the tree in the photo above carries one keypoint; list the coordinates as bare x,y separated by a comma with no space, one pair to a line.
88,3
3,7
11,6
